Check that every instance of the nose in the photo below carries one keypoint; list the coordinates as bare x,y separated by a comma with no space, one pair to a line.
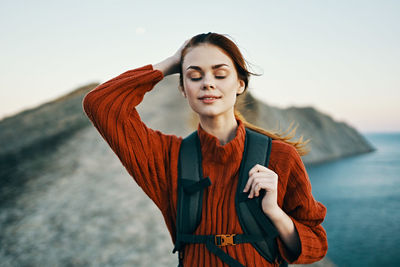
208,82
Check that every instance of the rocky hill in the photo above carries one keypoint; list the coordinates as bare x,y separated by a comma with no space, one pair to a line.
44,126
66,200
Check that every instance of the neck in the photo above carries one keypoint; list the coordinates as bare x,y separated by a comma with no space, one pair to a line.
222,127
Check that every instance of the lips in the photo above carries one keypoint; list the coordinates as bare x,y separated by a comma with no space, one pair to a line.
209,97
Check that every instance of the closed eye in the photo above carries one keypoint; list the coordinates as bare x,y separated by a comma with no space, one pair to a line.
199,78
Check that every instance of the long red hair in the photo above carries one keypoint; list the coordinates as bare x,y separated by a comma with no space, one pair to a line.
232,50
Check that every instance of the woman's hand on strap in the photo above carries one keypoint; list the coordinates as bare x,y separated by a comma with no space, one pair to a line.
171,64
260,178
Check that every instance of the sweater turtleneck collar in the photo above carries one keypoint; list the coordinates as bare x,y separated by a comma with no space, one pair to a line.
213,151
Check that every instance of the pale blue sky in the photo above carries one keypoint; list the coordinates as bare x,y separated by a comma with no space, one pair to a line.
341,56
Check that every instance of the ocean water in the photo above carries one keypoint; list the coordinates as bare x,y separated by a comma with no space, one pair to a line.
362,196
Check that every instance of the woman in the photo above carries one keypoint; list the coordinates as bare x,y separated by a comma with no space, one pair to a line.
212,75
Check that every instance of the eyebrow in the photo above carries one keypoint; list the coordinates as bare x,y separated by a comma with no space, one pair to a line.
213,67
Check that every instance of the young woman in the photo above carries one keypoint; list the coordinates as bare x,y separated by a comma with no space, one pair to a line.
213,74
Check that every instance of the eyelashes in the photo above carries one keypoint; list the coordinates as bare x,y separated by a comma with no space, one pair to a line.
199,78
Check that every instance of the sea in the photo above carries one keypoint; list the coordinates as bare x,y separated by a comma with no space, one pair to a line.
362,197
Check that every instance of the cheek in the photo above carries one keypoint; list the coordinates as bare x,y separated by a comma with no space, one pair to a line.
188,84
230,87
190,90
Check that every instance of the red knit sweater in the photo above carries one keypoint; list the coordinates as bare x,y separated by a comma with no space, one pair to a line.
151,158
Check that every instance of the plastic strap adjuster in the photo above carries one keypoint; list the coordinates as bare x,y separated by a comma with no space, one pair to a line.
225,240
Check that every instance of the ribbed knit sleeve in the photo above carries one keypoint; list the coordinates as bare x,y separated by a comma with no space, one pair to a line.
299,204
144,152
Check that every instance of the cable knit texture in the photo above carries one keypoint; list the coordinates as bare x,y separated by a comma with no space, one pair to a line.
151,158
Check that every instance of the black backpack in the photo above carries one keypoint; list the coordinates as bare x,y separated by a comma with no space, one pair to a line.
257,227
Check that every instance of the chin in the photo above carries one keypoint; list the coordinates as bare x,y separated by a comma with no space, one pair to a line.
209,113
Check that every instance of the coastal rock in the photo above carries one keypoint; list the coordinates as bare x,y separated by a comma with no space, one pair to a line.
165,109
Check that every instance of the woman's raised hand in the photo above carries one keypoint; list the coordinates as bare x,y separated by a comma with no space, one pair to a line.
177,55
171,64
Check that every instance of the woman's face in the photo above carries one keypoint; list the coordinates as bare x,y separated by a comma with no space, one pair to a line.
210,81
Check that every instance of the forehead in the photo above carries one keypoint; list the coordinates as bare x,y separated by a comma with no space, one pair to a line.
205,56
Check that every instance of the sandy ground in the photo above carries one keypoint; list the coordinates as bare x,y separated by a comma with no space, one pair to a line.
82,209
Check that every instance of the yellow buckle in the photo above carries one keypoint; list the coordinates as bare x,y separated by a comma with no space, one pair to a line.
225,240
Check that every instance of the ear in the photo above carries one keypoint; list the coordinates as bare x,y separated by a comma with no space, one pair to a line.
182,91
241,87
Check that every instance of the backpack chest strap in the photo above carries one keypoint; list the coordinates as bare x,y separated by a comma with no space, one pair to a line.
220,240
214,242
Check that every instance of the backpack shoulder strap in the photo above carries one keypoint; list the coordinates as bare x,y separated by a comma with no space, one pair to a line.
190,187
252,219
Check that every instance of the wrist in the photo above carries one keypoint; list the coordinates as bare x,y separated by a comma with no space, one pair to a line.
175,60
168,66
275,213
